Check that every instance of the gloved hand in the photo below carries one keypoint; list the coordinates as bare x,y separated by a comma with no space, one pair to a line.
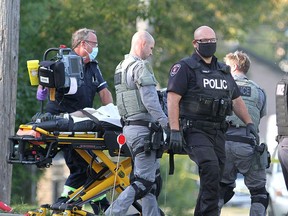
176,141
251,129
44,117
42,93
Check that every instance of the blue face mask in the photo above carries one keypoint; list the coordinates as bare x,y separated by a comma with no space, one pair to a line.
93,54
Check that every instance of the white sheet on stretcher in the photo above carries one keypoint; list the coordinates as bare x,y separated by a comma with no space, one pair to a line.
108,113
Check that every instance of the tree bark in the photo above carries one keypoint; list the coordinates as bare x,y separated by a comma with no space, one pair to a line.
9,43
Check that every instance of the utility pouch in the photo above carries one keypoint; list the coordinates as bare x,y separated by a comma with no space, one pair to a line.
225,107
215,107
155,138
261,158
158,143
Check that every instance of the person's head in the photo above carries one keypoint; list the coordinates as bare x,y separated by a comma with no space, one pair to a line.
204,42
238,61
142,44
85,44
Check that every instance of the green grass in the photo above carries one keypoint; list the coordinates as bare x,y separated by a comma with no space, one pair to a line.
23,208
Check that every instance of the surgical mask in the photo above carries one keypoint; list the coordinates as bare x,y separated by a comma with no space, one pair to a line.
93,54
206,50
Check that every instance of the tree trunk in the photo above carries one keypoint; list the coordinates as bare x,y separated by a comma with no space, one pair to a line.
9,42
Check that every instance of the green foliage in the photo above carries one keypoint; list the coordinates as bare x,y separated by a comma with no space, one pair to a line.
24,177
172,199
46,24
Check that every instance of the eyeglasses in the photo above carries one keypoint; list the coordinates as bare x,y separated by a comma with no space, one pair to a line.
207,40
93,43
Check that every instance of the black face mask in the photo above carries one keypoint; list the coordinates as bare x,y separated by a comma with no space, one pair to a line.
206,50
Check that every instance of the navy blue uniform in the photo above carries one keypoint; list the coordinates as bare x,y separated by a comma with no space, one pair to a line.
200,85
92,83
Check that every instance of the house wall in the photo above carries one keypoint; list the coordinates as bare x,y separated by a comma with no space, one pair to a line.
50,186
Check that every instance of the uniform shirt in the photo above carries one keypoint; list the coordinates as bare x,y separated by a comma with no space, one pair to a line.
92,83
149,95
183,78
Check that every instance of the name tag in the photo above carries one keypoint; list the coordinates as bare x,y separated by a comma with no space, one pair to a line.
245,91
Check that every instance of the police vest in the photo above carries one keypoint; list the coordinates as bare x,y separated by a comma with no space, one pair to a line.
281,107
211,100
249,91
128,99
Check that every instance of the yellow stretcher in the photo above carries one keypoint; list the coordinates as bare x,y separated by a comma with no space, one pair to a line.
33,145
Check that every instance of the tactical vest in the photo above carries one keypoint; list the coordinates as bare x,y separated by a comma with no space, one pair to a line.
211,100
250,94
129,100
281,107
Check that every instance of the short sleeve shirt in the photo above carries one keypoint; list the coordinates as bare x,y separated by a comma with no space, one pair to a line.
182,77
92,83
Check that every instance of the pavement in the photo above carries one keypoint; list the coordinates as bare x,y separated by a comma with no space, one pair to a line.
9,214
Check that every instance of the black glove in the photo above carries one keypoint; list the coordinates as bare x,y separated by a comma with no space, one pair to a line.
176,141
44,117
251,129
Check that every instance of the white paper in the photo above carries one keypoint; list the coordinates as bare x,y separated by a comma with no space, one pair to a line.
73,86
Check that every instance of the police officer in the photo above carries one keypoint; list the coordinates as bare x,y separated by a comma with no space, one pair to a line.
85,44
139,107
282,124
201,92
241,151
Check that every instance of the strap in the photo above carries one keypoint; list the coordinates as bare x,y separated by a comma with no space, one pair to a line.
89,115
138,150
153,126
241,139
171,163
137,122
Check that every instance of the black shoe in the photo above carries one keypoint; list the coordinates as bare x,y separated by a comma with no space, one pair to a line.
62,200
100,206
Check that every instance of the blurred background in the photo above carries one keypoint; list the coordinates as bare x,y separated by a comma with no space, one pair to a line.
257,27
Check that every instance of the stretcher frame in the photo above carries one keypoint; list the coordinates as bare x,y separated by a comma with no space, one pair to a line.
41,146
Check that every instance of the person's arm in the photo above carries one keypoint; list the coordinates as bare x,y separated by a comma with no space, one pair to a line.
173,100
105,96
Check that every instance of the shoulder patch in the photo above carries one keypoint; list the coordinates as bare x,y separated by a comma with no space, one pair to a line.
174,70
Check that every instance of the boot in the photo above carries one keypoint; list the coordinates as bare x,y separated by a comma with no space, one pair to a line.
100,205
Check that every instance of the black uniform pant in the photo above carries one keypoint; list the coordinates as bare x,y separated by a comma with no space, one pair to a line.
207,149
77,166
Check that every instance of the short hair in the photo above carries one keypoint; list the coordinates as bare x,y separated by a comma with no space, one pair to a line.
239,58
80,35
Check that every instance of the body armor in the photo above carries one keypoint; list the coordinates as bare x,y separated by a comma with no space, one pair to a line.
211,100
128,98
250,94
281,107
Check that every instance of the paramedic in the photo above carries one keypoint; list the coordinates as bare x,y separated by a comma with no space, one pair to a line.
85,44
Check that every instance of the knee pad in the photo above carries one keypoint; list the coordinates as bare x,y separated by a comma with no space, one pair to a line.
260,195
139,192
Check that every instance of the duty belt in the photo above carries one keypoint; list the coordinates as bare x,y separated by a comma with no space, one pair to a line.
199,124
235,138
137,122
155,126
